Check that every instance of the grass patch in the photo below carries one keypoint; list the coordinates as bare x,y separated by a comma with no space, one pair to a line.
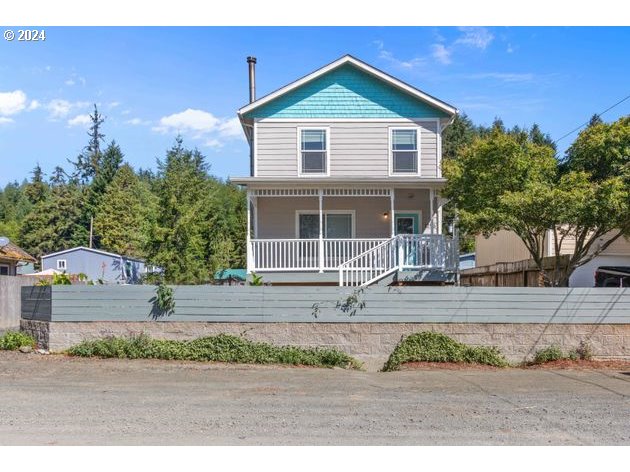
220,348
428,346
14,340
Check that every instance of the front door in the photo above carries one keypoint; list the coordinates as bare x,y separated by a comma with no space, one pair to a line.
408,223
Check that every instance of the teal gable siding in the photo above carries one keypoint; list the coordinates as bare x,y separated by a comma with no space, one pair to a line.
346,92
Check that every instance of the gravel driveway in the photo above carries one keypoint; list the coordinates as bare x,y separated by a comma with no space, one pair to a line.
60,400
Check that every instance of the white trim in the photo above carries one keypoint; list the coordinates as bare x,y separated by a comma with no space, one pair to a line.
347,59
299,151
390,133
346,120
438,142
324,213
65,264
8,266
97,251
255,144
412,212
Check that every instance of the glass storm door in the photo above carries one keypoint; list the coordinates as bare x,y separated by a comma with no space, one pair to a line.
407,223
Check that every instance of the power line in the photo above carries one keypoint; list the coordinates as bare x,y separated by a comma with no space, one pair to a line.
598,114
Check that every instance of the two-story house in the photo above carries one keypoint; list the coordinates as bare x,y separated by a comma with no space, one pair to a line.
345,178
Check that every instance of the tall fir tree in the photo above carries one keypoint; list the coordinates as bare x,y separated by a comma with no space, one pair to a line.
124,214
37,189
177,242
54,223
88,162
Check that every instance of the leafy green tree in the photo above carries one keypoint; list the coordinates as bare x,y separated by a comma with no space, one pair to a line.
602,149
458,134
177,242
502,182
14,206
122,218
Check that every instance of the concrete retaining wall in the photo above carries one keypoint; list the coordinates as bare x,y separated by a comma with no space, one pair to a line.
10,308
367,341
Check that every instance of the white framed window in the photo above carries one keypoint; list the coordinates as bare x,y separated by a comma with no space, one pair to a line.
338,224
314,155
61,264
404,151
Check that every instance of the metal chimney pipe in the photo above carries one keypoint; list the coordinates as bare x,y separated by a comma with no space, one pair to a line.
251,60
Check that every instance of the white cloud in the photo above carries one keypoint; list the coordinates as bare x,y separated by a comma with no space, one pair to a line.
509,49
387,55
12,102
502,76
4,120
200,125
34,105
80,120
476,37
113,104
70,82
441,53
60,108
231,127
137,122
188,120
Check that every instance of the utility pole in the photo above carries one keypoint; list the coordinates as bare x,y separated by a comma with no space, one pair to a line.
91,224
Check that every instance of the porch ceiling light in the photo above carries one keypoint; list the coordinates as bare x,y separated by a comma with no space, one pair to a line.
386,215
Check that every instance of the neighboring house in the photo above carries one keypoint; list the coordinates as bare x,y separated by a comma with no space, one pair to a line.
97,265
506,246
467,261
345,178
12,257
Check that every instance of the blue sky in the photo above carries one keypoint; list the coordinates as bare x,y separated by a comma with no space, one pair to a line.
153,83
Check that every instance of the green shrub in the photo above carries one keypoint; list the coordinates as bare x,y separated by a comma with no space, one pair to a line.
428,346
220,348
14,340
548,354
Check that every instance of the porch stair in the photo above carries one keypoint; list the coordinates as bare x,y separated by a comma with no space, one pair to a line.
403,258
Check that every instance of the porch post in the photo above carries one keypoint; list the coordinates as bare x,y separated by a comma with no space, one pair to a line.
320,194
255,216
432,220
391,212
250,261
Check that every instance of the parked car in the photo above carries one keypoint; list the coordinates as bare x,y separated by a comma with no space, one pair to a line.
609,276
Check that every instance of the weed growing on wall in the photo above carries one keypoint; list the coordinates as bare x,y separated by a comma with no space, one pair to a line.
428,346
14,340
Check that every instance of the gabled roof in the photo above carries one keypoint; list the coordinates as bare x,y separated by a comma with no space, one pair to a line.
373,71
89,249
13,252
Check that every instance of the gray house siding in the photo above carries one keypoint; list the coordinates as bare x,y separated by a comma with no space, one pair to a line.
357,148
96,265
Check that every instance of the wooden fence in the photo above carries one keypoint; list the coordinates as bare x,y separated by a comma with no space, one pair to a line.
329,304
509,274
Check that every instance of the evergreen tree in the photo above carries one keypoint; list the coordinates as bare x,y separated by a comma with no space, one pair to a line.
122,218
37,189
177,242
458,134
88,162
54,223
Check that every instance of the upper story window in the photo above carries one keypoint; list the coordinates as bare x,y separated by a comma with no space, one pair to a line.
313,151
61,264
404,151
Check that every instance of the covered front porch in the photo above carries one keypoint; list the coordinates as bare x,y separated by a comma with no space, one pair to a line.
348,230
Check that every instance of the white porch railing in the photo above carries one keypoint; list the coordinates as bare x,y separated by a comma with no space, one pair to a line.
304,254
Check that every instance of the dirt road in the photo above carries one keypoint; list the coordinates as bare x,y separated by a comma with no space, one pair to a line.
58,400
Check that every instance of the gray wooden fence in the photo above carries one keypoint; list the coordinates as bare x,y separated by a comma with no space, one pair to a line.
297,304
